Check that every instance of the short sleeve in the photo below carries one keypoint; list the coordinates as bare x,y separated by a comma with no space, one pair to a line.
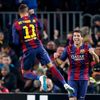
64,55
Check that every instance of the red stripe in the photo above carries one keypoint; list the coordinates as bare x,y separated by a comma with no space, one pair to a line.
56,73
32,44
77,66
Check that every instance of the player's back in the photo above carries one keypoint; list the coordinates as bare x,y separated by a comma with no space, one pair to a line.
28,32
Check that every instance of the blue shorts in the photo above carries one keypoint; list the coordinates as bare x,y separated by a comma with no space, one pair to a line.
80,87
30,56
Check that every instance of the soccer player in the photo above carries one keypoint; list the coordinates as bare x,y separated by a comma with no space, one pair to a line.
79,55
25,32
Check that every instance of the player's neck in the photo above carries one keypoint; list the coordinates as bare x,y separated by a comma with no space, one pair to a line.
78,45
23,15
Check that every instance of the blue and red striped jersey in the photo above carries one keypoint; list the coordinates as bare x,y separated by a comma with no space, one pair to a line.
26,32
79,59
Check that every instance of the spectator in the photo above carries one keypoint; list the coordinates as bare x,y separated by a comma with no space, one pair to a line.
96,30
91,86
1,39
86,36
8,80
44,38
9,51
38,87
51,48
3,89
97,49
56,37
1,56
6,60
49,85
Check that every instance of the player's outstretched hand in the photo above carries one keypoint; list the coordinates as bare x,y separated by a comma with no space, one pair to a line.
31,11
91,51
56,55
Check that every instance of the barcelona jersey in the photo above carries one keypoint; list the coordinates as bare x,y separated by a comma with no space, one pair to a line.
79,59
25,31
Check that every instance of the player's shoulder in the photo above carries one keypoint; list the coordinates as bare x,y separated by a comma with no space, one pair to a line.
16,22
69,47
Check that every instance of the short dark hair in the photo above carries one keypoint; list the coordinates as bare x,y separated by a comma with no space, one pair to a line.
78,31
6,56
23,8
5,46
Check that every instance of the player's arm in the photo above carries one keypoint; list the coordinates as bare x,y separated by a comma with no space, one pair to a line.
40,25
94,55
15,36
63,57
58,61
40,28
31,11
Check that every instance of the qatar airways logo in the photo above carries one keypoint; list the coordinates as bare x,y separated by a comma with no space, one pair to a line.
77,57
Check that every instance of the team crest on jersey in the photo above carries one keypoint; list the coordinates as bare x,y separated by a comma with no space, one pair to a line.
82,51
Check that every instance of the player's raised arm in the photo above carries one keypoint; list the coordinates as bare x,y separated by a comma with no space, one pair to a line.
31,11
95,56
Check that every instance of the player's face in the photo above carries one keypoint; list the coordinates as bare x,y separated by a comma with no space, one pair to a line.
77,38
4,72
6,60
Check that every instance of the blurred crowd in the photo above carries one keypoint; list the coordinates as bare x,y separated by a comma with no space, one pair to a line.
53,5
11,79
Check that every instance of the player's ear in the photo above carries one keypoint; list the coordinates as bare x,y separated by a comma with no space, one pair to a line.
82,38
